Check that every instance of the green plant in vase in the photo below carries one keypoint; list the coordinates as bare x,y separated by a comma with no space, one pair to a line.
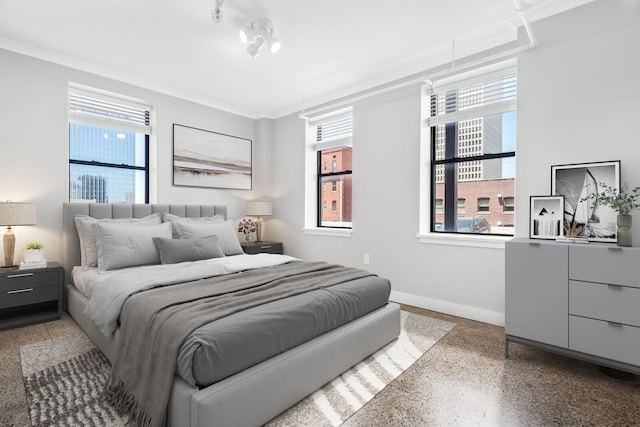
622,201
33,251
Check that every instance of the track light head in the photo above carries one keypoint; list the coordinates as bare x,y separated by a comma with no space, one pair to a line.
258,33
255,46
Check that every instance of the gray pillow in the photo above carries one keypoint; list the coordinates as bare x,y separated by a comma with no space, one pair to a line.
125,246
167,217
87,235
173,251
224,231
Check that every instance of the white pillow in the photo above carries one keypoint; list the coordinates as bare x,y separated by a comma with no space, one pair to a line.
224,231
167,217
86,234
125,246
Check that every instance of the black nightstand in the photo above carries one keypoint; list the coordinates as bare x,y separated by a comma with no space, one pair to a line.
264,247
30,296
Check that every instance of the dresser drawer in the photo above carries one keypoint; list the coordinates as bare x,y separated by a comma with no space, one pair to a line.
611,341
22,279
25,296
605,302
605,264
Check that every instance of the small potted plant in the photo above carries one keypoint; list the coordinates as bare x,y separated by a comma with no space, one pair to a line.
622,201
33,251
247,226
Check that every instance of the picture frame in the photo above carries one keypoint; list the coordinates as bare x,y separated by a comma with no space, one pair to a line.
546,217
583,216
203,158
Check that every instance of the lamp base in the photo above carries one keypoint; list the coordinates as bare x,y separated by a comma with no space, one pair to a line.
9,246
258,229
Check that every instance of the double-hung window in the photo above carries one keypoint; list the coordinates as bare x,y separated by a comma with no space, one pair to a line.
108,147
472,153
333,144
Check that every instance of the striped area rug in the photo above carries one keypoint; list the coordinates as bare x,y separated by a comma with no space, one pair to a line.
64,377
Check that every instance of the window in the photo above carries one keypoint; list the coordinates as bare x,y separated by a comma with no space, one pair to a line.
508,204
439,208
483,205
461,209
332,144
108,148
471,133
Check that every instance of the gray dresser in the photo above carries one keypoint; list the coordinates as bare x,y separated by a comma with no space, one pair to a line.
581,300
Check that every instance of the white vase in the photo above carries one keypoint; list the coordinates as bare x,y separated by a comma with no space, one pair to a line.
33,255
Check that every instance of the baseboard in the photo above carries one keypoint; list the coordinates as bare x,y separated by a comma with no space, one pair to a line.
468,312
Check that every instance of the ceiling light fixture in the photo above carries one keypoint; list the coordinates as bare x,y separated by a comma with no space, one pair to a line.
258,33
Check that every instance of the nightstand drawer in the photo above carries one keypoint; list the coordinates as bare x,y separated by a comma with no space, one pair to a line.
28,295
21,279
604,339
262,248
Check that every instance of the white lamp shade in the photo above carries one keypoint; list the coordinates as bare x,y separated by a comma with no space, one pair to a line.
17,213
259,208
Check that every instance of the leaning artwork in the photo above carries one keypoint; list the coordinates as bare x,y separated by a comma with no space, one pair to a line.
584,217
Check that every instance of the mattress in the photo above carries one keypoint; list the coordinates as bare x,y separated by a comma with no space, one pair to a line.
229,345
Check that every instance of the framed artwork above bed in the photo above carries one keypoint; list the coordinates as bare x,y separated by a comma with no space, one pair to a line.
203,158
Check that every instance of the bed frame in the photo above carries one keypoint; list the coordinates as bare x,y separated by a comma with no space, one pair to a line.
256,395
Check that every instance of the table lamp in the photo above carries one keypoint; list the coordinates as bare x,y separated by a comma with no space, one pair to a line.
14,214
259,209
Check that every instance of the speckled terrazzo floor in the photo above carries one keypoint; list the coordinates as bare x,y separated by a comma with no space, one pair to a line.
462,380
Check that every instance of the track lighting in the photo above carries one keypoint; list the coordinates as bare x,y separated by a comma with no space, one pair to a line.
258,33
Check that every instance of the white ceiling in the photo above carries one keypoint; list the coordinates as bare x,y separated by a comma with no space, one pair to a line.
330,48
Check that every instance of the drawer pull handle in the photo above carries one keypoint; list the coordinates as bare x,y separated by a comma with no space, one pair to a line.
615,248
616,324
534,243
19,291
14,276
266,247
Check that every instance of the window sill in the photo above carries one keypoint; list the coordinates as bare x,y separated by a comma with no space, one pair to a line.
468,240
334,232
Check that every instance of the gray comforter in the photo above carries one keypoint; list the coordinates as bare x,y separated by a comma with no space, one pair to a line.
229,345
156,322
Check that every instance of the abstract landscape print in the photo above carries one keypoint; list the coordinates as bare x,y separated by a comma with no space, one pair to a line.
203,158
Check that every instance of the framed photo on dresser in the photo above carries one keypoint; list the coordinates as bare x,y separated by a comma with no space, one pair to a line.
546,217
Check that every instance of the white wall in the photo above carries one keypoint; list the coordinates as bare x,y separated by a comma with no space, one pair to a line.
34,144
578,98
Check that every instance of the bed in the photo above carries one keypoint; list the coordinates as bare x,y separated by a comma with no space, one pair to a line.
258,393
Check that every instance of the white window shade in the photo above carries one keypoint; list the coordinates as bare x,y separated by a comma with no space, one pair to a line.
488,95
334,131
98,109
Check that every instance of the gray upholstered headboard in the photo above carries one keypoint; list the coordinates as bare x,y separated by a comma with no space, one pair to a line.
71,244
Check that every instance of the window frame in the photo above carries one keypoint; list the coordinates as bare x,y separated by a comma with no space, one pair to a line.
425,234
141,126
340,135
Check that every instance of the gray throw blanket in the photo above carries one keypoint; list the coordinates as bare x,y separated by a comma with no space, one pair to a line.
154,323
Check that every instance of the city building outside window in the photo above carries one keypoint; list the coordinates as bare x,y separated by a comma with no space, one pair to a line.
471,128
108,147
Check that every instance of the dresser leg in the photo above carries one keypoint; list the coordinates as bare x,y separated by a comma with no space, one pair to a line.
506,348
